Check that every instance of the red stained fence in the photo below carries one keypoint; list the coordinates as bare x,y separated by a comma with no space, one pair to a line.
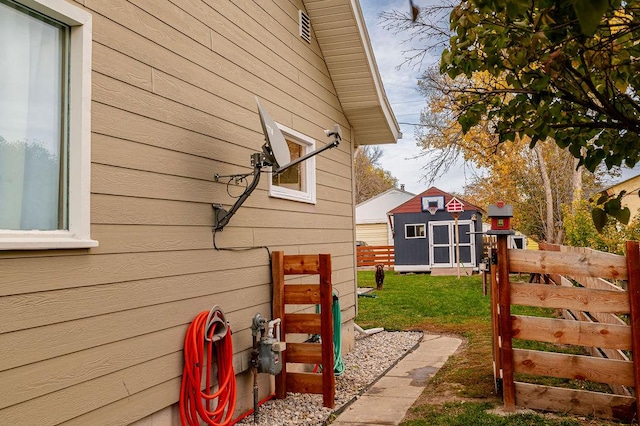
598,296
375,255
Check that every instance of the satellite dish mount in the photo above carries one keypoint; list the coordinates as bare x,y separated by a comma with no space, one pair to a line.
275,153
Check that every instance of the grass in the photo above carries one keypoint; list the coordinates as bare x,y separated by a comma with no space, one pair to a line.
476,414
463,389
409,300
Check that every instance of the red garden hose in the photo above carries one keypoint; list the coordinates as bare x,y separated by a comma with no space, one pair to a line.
207,331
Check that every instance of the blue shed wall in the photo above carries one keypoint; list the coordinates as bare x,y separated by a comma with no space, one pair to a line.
416,251
413,251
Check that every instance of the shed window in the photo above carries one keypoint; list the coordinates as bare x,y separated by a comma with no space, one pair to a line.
415,230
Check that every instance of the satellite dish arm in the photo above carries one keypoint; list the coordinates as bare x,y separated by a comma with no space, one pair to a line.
258,161
221,216
335,143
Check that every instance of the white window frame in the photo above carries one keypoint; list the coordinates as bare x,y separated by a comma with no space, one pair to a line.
309,177
415,225
79,115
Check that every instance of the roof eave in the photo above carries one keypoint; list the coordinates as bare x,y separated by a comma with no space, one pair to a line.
353,69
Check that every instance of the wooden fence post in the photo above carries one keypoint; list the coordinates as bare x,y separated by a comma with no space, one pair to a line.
326,324
504,320
633,281
495,325
277,274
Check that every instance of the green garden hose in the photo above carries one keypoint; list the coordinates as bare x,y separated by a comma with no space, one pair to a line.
338,365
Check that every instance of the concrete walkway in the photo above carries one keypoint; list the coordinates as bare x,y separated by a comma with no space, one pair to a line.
387,401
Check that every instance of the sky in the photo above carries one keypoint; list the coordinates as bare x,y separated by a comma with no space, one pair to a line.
401,88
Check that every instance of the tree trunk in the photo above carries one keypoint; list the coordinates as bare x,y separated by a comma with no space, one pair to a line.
548,194
577,183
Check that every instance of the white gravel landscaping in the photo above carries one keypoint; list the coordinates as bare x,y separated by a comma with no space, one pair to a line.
371,357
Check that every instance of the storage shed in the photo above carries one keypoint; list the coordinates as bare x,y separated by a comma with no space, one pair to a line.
372,223
425,241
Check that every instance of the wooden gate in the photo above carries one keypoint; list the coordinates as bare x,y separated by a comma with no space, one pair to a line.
597,297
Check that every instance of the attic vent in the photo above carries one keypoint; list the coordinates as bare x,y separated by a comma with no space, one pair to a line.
305,26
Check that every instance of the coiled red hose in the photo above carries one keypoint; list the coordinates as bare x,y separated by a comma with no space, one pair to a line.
196,403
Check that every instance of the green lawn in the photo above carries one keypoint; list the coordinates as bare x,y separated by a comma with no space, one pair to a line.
447,305
408,301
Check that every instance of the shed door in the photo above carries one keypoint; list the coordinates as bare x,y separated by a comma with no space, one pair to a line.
442,246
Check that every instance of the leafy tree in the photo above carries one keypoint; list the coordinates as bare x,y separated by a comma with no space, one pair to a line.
536,181
370,178
581,231
546,79
560,70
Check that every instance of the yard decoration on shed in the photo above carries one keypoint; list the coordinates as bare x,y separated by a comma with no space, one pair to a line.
455,207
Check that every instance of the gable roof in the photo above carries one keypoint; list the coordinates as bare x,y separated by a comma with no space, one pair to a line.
340,30
374,210
386,194
630,185
414,205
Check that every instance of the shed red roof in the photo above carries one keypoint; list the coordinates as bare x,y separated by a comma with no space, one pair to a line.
414,205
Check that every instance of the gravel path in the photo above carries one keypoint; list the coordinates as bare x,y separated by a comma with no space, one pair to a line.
371,356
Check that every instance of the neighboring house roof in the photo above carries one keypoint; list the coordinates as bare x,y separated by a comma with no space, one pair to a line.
374,210
630,185
340,30
414,205
631,199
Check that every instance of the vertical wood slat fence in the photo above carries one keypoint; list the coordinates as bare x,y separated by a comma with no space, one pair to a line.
306,323
375,255
591,306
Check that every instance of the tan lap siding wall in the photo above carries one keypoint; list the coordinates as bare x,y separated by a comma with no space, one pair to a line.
373,234
95,337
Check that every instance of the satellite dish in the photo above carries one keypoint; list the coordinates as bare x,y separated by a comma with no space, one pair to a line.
275,153
276,150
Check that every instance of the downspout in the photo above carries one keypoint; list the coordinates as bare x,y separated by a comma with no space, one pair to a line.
354,146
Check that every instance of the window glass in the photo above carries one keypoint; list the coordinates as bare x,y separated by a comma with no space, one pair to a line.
298,182
414,231
33,136
292,177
